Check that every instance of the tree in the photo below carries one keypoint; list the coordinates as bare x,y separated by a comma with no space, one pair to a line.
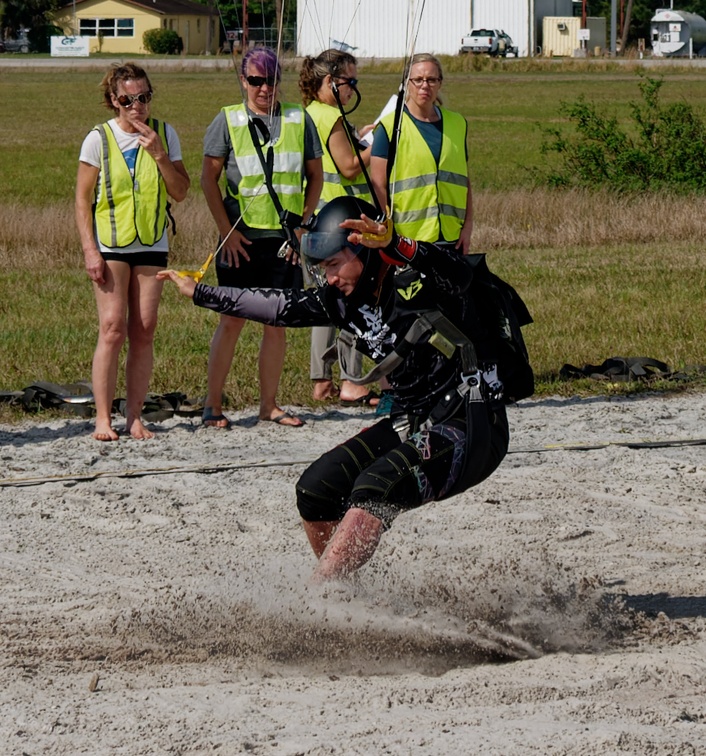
30,14
642,13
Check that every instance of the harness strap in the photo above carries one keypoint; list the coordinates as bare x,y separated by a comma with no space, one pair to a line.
288,220
446,337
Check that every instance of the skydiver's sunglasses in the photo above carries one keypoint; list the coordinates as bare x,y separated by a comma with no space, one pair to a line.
258,81
127,101
352,83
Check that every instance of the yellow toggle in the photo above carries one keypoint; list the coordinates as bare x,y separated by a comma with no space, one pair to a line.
197,275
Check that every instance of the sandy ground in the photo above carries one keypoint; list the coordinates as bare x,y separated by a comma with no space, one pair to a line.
557,608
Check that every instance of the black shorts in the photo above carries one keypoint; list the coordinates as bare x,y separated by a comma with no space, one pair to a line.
135,259
375,471
264,271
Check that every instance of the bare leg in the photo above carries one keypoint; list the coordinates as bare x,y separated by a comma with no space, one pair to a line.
220,358
143,304
319,534
352,544
112,303
272,351
322,338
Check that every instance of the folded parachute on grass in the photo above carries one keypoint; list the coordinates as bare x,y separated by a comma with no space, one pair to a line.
625,369
77,399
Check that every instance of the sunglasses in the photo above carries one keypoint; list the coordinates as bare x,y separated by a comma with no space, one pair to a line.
258,81
127,101
352,83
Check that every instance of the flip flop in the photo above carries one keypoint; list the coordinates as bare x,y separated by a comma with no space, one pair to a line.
208,416
285,415
362,401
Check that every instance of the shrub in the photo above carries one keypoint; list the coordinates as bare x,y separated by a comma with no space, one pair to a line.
162,42
664,148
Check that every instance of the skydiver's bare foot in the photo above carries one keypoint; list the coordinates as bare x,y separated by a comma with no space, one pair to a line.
104,431
137,430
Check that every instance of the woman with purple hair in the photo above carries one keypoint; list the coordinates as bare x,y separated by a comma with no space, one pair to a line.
270,154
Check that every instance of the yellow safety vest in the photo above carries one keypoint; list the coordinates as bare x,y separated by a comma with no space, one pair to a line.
325,118
256,206
130,207
429,202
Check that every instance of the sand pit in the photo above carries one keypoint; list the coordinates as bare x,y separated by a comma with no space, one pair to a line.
155,595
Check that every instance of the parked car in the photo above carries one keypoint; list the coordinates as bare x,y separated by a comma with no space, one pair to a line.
488,41
21,44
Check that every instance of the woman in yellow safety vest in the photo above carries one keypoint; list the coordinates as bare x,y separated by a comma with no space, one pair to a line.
429,185
268,151
322,79
127,169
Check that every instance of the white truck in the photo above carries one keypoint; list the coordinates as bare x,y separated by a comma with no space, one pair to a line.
488,41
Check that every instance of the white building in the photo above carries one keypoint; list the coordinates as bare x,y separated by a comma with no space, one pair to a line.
384,28
379,28
521,19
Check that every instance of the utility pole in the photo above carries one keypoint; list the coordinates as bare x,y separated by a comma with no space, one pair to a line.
626,28
245,38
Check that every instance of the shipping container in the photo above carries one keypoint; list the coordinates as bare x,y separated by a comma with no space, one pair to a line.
375,29
561,37
676,33
521,19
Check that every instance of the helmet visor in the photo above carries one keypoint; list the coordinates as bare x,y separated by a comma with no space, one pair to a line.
320,245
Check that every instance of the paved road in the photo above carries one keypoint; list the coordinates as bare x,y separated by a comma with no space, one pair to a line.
223,62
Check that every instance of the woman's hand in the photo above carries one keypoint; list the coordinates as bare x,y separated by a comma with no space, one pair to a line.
95,266
235,247
149,140
186,285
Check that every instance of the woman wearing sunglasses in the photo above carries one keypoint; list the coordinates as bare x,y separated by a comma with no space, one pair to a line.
429,184
268,150
328,84
127,169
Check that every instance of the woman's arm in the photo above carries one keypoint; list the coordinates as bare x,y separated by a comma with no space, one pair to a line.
314,184
86,180
176,179
342,152
464,239
236,244
378,177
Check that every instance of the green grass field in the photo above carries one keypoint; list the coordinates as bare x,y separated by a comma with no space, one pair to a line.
601,279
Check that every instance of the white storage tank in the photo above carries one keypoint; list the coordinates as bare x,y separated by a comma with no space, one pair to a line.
560,36
375,29
676,33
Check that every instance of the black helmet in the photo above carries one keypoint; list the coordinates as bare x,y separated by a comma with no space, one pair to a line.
325,237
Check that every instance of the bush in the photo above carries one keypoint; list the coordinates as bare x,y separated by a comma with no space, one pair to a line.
667,148
162,42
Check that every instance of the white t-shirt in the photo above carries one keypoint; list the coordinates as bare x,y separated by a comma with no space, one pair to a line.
128,144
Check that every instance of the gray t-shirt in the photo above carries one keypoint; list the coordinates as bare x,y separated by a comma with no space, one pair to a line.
216,143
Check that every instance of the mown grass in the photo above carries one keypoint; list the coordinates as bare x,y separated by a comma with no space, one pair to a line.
603,275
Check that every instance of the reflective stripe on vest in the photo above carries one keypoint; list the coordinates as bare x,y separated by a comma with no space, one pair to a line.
130,207
256,206
430,203
325,118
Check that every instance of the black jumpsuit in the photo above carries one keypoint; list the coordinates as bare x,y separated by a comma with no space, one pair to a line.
376,470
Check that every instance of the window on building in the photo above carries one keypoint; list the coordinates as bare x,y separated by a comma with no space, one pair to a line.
107,27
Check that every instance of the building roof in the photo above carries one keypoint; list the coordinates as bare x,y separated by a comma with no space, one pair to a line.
164,7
